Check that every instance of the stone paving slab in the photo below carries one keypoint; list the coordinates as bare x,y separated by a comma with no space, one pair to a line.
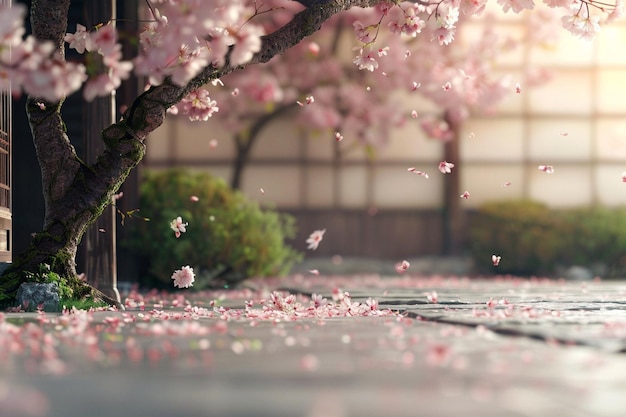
590,313
538,348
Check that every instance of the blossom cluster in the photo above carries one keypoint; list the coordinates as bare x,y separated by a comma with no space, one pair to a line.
187,35
30,65
102,42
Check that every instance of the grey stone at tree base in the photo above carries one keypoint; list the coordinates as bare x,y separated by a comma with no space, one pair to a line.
43,296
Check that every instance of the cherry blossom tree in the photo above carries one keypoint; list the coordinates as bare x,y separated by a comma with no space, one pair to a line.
328,92
189,44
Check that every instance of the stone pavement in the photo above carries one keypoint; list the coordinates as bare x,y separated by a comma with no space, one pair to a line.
498,347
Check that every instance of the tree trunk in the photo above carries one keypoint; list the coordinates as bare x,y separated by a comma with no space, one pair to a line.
453,215
242,147
245,140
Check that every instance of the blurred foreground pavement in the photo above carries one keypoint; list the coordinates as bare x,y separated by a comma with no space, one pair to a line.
499,347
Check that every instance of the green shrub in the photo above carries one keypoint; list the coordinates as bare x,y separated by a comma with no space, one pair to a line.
229,238
533,239
597,236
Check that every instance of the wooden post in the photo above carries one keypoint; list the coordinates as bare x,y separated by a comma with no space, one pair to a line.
97,250
128,14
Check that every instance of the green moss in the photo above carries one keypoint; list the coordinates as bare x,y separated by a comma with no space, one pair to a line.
46,275
82,304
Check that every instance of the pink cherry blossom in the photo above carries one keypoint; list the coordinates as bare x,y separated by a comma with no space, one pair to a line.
548,169
309,362
432,297
465,195
414,114
198,105
443,35
315,238
313,48
445,167
248,43
365,34
80,40
624,176
437,129
103,84
616,13
365,60
194,198
415,171
495,260
518,88
178,226
516,5
464,74
184,277
438,354
307,100
338,137
581,24
402,267
447,86
189,63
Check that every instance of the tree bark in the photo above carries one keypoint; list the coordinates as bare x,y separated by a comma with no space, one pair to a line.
75,193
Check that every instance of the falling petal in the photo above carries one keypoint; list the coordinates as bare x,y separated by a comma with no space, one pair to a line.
402,267
315,238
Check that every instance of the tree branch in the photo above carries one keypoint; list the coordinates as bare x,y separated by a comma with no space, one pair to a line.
148,111
302,25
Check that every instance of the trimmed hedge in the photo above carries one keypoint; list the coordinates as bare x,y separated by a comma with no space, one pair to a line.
229,238
533,239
